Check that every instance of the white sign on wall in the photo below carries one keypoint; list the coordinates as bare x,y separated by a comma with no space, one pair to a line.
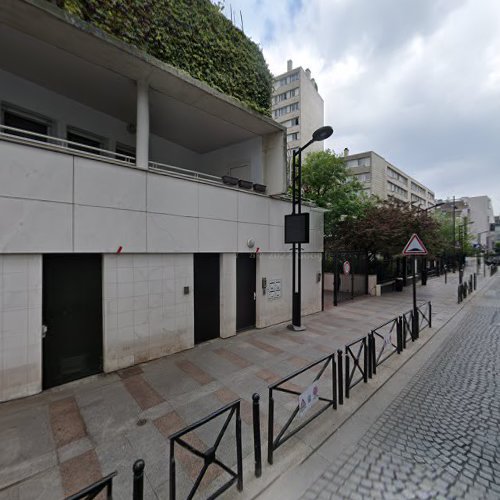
274,289
308,398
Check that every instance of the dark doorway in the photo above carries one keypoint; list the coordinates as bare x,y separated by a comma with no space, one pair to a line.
72,315
206,297
245,291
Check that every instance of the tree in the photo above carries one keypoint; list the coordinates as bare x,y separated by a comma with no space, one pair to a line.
386,227
328,183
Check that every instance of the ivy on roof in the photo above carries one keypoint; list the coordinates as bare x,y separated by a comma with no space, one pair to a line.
192,35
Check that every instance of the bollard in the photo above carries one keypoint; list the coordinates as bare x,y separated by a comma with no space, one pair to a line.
370,335
347,370
138,487
430,315
459,294
365,361
475,281
256,434
334,382
270,429
399,335
340,377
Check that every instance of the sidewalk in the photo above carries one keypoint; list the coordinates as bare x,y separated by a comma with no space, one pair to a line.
54,443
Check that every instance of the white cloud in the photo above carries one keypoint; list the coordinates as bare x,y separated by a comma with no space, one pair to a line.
416,81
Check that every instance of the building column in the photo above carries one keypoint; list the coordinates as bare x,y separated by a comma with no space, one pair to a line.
142,127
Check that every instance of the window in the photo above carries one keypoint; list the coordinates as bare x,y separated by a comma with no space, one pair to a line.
396,176
286,80
86,141
396,189
292,137
417,188
366,177
123,149
286,95
286,109
359,162
417,199
291,123
26,121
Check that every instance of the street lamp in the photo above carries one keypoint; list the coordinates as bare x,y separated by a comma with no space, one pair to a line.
297,225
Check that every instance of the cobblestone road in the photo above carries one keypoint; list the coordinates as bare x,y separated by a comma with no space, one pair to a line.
440,438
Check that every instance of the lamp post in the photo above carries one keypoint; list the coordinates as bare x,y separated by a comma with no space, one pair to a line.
424,259
319,135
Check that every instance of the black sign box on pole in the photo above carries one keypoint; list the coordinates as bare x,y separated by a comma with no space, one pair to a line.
297,228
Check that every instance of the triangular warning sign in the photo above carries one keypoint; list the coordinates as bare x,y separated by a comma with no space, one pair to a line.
415,246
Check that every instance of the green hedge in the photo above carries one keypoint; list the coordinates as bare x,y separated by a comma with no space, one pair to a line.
192,35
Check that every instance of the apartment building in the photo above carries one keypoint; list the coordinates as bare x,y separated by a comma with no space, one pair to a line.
140,209
297,105
382,179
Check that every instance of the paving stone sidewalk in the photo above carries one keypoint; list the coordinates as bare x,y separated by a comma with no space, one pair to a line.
56,442
439,438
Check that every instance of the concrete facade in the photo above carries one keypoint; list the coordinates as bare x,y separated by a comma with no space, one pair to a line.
298,106
147,214
382,179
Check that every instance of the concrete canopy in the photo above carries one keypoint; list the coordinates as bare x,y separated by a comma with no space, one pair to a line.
63,54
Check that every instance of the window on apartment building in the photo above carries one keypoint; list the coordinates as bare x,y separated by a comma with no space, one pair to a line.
286,109
366,177
85,141
417,188
396,176
123,149
359,162
286,95
293,137
27,121
287,79
396,189
417,199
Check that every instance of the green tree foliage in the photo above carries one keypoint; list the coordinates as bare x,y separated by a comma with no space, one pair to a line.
192,35
386,227
327,182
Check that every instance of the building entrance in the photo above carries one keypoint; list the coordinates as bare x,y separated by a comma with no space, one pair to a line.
245,291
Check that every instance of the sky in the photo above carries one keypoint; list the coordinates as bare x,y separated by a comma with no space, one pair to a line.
416,81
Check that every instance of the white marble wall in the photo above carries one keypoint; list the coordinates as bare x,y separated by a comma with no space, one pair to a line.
20,325
279,266
146,313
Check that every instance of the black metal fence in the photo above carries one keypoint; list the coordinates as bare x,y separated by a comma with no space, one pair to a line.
105,485
209,456
286,432
357,352
386,340
466,287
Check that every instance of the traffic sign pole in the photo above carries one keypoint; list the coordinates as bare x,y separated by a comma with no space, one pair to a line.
415,310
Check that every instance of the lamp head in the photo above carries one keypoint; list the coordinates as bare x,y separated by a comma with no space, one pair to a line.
322,133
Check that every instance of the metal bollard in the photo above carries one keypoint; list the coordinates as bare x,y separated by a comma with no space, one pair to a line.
334,382
430,315
347,371
399,335
256,434
475,281
138,487
270,429
365,360
340,377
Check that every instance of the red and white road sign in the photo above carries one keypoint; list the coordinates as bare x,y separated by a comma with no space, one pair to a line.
415,246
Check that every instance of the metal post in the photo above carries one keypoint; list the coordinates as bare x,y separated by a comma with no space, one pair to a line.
270,428
336,278
430,314
370,366
365,361
347,373
445,275
138,486
475,281
256,434
454,238
415,310
334,382
399,338
340,377
172,471
352,283
373,355
239,449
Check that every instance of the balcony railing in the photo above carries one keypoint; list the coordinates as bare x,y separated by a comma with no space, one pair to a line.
57,144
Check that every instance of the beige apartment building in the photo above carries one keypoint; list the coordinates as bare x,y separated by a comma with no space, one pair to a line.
297,105
382,179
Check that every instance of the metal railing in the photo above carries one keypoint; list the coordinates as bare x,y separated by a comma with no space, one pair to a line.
386,340
105,485
356,351
209,456
58,144
323,363
424,315
407,327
